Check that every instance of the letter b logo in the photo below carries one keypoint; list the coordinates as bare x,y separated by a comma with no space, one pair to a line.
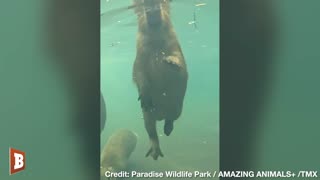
17,160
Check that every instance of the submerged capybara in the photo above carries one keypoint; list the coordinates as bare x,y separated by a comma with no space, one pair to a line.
116,152
159,72
103,113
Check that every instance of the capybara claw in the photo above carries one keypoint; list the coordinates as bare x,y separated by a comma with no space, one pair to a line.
154,153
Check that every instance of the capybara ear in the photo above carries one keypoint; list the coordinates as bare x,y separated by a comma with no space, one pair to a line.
138,7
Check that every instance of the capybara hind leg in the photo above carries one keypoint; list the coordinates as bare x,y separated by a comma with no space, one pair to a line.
150,125
168,127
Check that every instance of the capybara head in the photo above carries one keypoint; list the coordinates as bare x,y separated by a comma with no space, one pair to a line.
152,12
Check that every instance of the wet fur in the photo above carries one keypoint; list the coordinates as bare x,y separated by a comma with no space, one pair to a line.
116,152
159,71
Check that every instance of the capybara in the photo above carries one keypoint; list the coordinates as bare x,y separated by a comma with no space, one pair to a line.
116,152
160,71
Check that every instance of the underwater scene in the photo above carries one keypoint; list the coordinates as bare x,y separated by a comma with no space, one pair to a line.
160,82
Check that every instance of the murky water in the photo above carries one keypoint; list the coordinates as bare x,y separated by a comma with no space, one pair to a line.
194,142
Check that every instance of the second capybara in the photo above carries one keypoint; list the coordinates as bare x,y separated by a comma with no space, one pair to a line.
115,154
103,112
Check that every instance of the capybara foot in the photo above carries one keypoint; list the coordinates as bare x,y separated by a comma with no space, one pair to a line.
146,103
154,152
168,127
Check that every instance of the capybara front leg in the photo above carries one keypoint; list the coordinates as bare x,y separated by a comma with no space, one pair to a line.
150,125
146,102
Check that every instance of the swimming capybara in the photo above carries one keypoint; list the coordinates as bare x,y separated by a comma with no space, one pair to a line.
116,152
103,113
159,72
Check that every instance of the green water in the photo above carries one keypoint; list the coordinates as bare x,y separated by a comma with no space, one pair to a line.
194,142
34,113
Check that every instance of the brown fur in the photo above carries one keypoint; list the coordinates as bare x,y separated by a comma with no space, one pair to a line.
159,71
117,151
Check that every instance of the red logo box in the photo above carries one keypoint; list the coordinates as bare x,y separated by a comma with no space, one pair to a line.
17,161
